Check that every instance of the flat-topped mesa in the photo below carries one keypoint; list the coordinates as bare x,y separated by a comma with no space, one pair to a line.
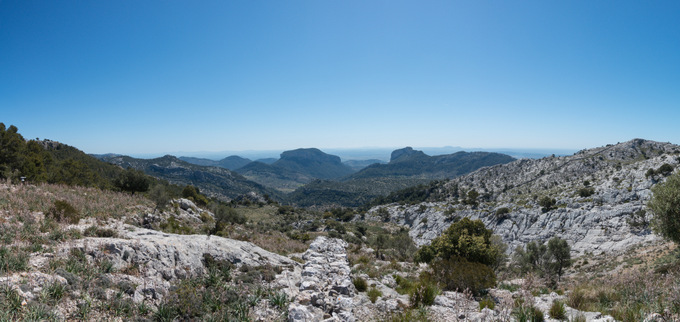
326,288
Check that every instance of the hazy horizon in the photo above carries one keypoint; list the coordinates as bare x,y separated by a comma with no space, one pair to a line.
155,76
379,153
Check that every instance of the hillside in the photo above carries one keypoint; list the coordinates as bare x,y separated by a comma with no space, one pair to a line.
231,162
350,193
599,195
314,163
357,165
412,163
407,168
295,168
212,181
282,179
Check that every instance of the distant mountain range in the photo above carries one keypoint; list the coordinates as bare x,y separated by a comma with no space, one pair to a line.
231,162
296,168
410,163
407,167
310,177
212,181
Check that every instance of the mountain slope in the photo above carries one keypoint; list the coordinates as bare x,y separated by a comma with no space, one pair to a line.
407,168
231,162
599,198
314,163
282,179
295,168
213,181
412,163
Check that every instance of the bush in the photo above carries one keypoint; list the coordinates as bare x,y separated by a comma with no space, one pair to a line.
373,294
502,213
133,181
665,204
457,274
360,284
547,203
468,239
665,169
548,260
557,311
424,292
586,192
487,302
528,313
62,211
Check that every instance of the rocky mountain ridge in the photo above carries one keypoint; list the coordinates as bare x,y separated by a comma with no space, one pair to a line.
213,181
599,198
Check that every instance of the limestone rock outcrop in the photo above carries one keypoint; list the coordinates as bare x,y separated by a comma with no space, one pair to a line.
600,197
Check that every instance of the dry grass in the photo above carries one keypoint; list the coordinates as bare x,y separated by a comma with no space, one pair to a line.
630,296
89,202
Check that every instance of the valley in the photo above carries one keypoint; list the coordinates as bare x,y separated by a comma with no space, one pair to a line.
308,238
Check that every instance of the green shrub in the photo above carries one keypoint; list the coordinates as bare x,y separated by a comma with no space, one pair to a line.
373,294
586,192
360,284
63,211
468,239
527,313
557,311
457,274
547,203
279,300
423,293
94,231
12,260
404,285
487,302
502,213
665,204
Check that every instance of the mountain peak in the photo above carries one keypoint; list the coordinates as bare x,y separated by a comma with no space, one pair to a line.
404,153
310,154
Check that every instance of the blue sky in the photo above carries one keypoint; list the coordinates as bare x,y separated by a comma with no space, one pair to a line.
144,77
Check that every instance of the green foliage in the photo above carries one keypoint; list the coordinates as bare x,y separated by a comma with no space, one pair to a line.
527,313
132,181
458,274
94,231
224,216
193,193
665,169
159,196
665,205
558,311
279,300
62,211
373,294
548,260
586,192
468,239
487,302
423,293
502,211
471,199
547,203
12,260
360,284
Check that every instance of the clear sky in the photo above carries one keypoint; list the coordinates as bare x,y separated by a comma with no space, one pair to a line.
149,76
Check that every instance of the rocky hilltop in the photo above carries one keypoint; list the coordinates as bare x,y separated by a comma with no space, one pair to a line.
599,198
